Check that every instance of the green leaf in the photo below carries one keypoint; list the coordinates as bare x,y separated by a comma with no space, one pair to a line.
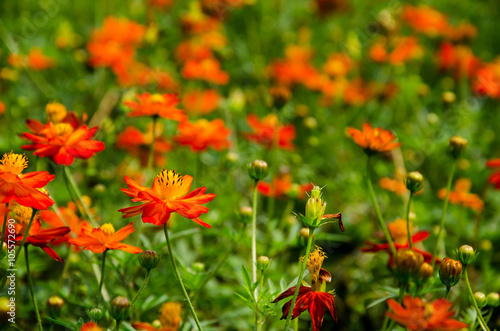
246,278
69,325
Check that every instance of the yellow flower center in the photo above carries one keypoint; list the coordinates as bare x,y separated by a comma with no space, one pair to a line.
55,112
14,163
157,98
23,214
170,184
108,229
170,314
314,263
63,128
398,230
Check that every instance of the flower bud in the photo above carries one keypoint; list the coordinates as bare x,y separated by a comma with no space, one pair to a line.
449,97
156,324
480,299
119,308
95,314
493,299
280,96
149,259
198,267
54,306
245,214
457,146
425,273
315,208
414,181
467,255
263,263
257,170
450,271
408,263
304,233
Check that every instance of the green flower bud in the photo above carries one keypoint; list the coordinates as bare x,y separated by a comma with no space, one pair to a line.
457,146
408,263
257,170
156,324
450,271
466,254
54,306
480,299
149,259
315,208
119,308
414,181
245,214
263,263
198,267
493,299
95,314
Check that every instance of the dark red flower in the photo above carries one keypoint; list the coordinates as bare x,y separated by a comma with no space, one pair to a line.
495,178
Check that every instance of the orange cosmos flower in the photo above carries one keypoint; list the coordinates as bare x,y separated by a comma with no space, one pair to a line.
394,185
169,194
338,64
425,20
203,134
495,178
282,186
138,144
374,140
312,298
2,107
295,68
91,326
22,188
103,238
461,196
419,315
270,133
200,102
357,92
458,58
38,61
156,105
169,319
402,50
487,80
69,219
206,69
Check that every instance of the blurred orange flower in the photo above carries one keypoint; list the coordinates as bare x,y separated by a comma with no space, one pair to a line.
374,140
139,144
22,188
338,64
394,185
103,238
458,58
282,186
270,133
200,102
2,107
69,219
402,50
495,178
203,134
461,196
487,80
415,314
425,20
91,326
169,194
38,61
295,68
206,69
162,105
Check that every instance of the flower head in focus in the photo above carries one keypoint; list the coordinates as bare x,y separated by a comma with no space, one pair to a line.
374,140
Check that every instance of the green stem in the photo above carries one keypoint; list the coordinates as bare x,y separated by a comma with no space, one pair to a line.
152,148
101,282
144,283
443,216
299,280
254,234
408,228
447,292
178,276
26,234
4,227
377,209
78,195
117,327
480,318
30,284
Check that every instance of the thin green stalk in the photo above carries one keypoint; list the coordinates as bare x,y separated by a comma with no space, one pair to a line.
152,148
117,327
30,284
4,227
144,283
101,282
78,195
408,228
178,276
299,280
480,318
447,292
443,216
254,234
26,234
377,209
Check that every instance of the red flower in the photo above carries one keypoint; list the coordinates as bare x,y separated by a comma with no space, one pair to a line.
38,61
374,140
156,105
495,178
282,186
202,134
2,107
269,132
169,194
22,188
103,238
488,80
419,315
